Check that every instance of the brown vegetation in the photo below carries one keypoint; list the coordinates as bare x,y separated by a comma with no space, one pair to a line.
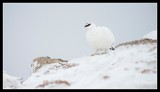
148,71
46,82
45,60
137,42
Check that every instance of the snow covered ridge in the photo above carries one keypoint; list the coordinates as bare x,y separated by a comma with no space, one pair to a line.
132,65
151,35
11,81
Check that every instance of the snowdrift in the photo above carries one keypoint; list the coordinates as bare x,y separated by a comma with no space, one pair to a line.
132,65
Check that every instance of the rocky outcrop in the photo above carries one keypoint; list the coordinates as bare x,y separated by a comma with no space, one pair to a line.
40,61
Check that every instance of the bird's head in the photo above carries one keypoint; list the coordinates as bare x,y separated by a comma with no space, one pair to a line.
90,25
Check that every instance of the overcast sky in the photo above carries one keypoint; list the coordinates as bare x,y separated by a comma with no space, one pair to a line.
57,30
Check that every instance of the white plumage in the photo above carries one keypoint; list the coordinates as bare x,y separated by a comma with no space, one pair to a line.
99,38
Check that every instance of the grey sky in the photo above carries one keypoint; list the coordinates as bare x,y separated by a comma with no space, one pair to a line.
56,30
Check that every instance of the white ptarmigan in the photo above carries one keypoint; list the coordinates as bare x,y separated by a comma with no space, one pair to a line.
99,38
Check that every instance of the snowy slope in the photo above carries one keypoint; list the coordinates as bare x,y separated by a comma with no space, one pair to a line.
130,65
10,81
151,35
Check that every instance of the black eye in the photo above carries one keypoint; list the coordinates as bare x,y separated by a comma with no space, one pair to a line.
87,25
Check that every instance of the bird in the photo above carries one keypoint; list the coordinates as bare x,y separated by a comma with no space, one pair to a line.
100,38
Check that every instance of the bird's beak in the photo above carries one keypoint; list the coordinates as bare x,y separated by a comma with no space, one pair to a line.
87,25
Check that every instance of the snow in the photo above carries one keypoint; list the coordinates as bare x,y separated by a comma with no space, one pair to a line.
129,66
151,35
10,82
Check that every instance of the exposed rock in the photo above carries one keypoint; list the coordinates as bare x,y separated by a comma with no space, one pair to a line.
40,61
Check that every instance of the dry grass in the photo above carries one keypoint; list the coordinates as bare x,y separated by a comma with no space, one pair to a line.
45,60
59,82
68,65
137,42
148,71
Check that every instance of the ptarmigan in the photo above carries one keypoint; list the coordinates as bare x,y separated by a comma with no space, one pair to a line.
100,38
